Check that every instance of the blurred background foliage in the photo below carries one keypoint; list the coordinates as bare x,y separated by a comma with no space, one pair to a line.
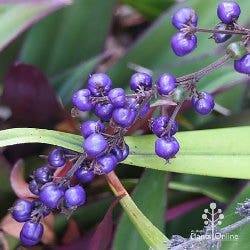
111,36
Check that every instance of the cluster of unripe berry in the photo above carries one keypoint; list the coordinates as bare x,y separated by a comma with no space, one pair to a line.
102,151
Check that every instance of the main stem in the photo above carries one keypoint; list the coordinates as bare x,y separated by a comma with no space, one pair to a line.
230,32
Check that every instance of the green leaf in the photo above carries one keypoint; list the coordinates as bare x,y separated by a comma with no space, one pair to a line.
215,188
149,8
203,152
68,37
73,79
15,18
230,217
152,203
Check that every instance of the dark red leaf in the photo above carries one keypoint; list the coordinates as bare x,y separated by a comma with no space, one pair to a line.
185,207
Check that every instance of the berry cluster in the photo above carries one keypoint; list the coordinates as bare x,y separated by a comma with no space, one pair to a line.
102,149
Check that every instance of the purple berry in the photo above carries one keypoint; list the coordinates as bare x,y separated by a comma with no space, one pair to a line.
95,145
140,80
183,44
243,64
117,97
166,83
104,111
132,104
80,99
90,127
38,205
75,196
124,117
34,187
120,153
50,195
106,163
144,110
84,175
203,104
99,84
56,158
184,16
31,233
166,147
221,38
160,124
21,210
228,11
43,174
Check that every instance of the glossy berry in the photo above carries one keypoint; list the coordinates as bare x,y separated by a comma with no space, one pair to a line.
95,145
31,233
120,153
166,83
50,195
132,104
243,64
221,38
104,111
34,187
144,110
84,175
106,163
183,44
75,196
81,100
117,97
160,124
166,147
203,104
124,117
184,16
38,205
99,84
21,210
228,11
90,127
43,174
140,80
56,158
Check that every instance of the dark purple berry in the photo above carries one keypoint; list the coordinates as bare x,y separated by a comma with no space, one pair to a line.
166,147
80,99
160,124
144,110
228,11
95,145
140,81
84,175
104,111
21,210
243,65
166,83
132,104
43,174
34,187
120,153
106,163
117,97
124,117
39,206
184,16
50,194
203,104
221,38
75,196
31,233
183,44
90,127
99,84
56,158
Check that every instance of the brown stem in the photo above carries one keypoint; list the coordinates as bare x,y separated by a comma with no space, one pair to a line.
115,184
231,32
